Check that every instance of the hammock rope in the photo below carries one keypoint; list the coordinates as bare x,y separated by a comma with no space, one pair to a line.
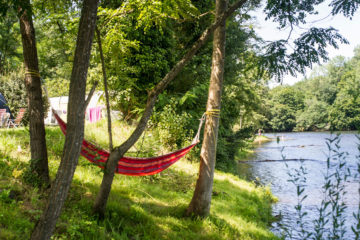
213,113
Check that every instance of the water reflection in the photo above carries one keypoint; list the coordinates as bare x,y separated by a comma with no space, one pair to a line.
268,167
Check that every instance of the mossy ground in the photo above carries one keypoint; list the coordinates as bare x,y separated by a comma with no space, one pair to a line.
139,207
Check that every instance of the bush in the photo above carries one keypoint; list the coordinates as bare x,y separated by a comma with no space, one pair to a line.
172,127
12,86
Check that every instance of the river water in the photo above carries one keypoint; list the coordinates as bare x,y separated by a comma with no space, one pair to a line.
273,172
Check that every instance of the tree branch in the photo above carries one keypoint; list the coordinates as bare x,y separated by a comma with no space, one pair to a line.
91,93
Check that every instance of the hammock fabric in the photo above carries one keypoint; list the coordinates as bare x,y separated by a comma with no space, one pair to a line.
130,165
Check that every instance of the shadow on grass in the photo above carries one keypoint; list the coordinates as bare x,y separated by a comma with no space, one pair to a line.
134,219
149,208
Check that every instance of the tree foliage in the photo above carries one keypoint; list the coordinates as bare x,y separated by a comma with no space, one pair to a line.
10,51
329,99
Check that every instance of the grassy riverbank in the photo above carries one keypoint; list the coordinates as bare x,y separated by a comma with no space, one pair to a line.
139,207
261,139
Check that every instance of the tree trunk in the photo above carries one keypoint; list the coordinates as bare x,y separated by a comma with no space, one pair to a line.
39,159
103,194
108,110
201,201
75,131
116,154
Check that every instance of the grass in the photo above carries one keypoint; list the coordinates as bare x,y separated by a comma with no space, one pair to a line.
149,207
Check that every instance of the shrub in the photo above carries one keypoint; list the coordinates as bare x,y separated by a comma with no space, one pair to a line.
12,86
173,128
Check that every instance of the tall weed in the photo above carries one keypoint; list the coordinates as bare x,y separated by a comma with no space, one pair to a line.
331,213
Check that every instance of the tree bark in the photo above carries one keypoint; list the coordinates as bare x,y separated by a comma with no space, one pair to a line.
118,152
39,158
75,131
201,201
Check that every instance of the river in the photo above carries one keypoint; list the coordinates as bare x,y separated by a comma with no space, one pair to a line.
312,147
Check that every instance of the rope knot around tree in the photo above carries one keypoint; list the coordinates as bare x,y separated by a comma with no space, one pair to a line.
213,113
32,72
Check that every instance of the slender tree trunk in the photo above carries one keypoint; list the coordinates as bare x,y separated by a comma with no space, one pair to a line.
118,152
39,159
201,201
105,88
75,131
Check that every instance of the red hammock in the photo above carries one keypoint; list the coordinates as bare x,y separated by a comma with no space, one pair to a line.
130,165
